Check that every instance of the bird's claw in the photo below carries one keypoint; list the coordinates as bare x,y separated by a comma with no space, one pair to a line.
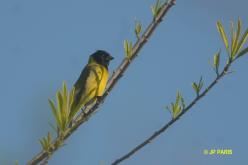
98,99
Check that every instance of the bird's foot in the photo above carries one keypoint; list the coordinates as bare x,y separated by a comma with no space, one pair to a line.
98,99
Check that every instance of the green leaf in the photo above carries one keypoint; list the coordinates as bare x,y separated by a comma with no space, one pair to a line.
178,98
216,61
64,89
56,113
46,142
183,102
200,85
223,34
235,45
16,162
59,101
157,6
49,138
126,47
195,87
71,98
65,95
62,111
233,39
243,52
66,104
176,110
242,40
138,29
42,144
130,53
155,9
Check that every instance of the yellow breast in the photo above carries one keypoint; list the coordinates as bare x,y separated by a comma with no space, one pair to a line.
103,81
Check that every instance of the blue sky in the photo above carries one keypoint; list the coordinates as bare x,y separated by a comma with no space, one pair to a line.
43,43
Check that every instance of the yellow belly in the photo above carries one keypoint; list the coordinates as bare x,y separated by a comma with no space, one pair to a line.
96,83
90,86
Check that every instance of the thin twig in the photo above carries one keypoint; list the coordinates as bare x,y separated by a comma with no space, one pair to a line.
118,73
172,121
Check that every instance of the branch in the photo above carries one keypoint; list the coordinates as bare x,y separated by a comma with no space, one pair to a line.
117,74
234,52
172,121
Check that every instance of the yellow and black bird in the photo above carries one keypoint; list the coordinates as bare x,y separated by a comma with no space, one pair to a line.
92,80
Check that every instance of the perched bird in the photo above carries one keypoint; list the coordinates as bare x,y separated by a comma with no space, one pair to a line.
92,80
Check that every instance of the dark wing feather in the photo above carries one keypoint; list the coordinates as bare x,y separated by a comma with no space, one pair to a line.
80,84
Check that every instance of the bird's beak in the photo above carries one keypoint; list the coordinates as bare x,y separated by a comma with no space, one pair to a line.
109,58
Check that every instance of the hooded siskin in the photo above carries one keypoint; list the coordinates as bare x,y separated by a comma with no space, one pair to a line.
92,80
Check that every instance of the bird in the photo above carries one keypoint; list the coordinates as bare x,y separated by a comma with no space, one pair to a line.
92,81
